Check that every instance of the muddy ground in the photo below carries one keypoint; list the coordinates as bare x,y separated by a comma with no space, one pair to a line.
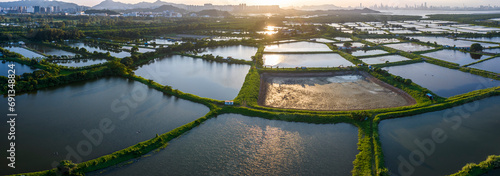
329,91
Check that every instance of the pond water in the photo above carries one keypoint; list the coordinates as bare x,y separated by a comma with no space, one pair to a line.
367,52
323,40
492,65
384,59
237,52
382,40
494,50
441,142
141,49
297,47
87,120
220,81
48,50
343,39
487,39
443,81
26,53
79,62
306,60
409,47
20,68
165,41
455,56
233,144
495,172
354,44
120,54
449,42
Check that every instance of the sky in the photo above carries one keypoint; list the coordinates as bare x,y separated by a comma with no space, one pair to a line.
287,3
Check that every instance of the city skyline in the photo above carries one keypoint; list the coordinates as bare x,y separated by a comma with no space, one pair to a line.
298,3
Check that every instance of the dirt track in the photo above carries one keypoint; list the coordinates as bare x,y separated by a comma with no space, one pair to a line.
329,91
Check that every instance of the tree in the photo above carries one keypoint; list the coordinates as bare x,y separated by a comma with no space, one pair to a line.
476,47
347,44
134,49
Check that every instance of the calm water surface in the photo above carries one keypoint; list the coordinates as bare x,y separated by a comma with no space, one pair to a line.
20,68
443,81
233,144
455,56
306,60
48,50
297,47
26,53
220,81
384,59
237,52
367,52
409,47
492,65
449,42
79,62
50,124
464,134
120,54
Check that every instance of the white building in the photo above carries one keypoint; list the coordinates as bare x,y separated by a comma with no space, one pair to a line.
30,9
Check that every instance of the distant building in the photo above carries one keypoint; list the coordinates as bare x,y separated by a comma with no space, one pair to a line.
30,10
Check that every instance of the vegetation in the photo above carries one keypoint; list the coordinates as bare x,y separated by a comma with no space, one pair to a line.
476,47
492,162
135,31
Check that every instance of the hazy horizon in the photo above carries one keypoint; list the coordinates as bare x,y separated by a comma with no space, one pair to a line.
298,3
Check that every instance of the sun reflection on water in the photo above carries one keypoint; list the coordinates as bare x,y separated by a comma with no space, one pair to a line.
272,60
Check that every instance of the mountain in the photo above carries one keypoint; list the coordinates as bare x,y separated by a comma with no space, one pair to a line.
41,3
159,9
316,7
113,5
213,13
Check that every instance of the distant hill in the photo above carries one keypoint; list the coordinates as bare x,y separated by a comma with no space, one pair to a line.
316,7
295,12
213,13
109,12
159,9
62,5
113,5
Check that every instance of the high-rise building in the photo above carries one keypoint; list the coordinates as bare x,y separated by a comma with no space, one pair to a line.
30,9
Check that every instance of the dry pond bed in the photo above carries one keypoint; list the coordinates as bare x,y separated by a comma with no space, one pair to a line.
341,90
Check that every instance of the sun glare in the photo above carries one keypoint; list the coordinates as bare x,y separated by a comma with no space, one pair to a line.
272,60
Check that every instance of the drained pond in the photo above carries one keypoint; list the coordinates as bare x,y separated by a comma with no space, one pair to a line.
329,91
233,144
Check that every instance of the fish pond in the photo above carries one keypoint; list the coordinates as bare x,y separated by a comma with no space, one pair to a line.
442,81
86,120
233,144
441,142
219,81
